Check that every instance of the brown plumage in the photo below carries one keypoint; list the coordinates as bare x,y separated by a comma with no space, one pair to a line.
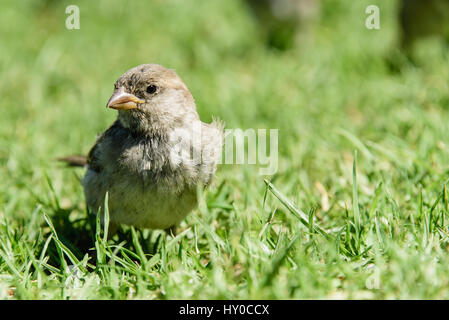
144,160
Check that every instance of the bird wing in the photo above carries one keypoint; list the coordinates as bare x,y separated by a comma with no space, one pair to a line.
92,159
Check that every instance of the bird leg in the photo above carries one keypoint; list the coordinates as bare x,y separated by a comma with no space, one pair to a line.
171,231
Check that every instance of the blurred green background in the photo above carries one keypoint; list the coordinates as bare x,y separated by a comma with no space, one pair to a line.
330,88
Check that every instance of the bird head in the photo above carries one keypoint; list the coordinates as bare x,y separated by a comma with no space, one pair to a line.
151,97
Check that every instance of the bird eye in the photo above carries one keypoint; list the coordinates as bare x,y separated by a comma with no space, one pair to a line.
151,89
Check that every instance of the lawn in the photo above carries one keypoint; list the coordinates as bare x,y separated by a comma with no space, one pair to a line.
359,206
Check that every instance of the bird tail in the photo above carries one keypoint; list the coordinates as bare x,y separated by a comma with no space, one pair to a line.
74,161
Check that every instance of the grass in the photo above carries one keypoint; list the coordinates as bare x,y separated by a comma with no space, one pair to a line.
358,209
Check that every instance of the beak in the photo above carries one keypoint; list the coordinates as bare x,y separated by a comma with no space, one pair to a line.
121,100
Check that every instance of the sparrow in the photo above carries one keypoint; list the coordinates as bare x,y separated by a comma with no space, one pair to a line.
154,157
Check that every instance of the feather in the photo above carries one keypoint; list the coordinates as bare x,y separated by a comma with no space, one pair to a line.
74,161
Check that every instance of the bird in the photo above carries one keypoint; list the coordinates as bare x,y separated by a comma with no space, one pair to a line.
154,157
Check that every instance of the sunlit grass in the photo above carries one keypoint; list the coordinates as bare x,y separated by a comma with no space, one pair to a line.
328,224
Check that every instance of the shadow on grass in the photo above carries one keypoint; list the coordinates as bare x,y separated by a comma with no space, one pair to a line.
76,229
78,235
